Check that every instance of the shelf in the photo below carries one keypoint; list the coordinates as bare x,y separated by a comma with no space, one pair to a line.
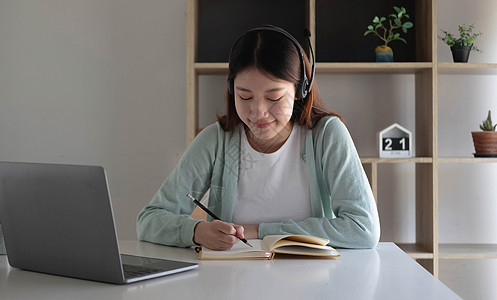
416,251
467,68
421,63
452,251
467,160
468,251
372,67
371,160
211,68
325,67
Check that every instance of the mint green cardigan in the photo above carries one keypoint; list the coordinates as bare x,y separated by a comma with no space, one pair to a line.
343,207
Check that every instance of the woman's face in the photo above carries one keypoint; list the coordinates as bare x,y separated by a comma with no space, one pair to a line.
265,105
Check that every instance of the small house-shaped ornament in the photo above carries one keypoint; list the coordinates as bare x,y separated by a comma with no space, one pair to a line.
395,141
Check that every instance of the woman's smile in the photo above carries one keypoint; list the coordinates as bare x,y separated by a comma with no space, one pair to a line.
263,125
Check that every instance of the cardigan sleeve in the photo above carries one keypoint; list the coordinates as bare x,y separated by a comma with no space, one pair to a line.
166,219
349,215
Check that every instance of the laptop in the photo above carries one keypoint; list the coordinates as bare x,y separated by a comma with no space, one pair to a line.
58,219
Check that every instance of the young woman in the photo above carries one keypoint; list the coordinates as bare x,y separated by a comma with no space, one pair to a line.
278,162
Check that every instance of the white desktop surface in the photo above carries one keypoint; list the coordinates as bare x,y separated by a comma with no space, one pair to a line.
385,272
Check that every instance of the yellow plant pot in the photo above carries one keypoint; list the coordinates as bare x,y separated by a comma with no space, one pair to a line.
384,54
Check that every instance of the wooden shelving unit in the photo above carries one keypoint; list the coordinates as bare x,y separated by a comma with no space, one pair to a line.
426,249
364,68
340,68
468,251
466,160
467,69
416,251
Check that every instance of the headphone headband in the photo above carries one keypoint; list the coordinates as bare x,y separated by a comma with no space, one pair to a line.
303,86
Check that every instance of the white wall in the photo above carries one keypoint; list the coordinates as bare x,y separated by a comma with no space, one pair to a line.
103,82
95,82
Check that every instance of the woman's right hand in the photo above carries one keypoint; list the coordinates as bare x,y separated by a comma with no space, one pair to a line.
217,235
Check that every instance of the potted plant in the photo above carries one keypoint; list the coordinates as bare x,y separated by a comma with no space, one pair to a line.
395,22
485,141
462,46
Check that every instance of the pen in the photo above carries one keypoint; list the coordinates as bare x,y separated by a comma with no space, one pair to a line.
211,214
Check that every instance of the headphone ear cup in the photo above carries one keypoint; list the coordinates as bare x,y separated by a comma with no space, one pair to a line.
301,89
305,88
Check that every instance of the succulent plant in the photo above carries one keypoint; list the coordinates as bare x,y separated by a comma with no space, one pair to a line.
487,124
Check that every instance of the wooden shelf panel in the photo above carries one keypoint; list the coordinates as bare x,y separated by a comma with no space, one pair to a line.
372,67
371,160
416,251
467,68
324,67
468,251
211,68
467,160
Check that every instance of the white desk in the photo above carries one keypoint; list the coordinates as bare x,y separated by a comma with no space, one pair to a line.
382,273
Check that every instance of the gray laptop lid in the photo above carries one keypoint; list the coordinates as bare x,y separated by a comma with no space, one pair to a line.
58,219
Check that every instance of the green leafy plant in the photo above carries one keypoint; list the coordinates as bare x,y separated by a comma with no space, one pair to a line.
467,37
395,22
487,124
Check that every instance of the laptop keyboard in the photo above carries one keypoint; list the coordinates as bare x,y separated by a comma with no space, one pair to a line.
132,271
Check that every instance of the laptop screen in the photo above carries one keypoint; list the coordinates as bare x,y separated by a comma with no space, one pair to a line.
58,219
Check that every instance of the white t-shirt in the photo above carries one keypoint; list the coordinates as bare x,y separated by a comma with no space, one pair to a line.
272,186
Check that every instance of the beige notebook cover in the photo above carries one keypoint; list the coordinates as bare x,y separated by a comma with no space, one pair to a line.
272,244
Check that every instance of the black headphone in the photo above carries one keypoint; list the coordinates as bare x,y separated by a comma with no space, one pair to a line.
303,86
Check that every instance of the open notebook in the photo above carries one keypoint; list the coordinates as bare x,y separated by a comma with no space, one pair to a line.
271,245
